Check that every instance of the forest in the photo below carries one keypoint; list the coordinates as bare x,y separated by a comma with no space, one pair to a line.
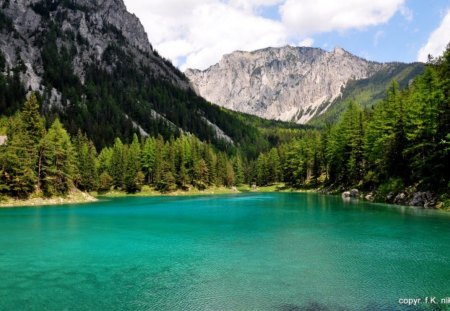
402,141
36,160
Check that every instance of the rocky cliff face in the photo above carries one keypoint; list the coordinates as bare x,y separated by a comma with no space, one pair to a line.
92,64
87,28
288,83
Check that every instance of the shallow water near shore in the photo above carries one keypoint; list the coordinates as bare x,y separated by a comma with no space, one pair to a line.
270,251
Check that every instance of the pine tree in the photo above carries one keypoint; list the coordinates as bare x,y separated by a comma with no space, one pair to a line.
238,168
261,170
34,123
229,176
58,161
148,158
86,174
105,182
18,177
200,174
104,160
118,163
132,181
273,166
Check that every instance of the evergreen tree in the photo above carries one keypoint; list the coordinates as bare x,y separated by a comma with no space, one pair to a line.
238,168
86,173
58,161
200,174
104,160
118,163
132,181
273,166
345,153
17,162
105,182
148,158
229,176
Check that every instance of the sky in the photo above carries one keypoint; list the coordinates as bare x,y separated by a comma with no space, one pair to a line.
197,33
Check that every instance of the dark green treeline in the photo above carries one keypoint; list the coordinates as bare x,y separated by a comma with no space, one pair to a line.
50,162
402,141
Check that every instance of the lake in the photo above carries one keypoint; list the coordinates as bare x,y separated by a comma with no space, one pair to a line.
274,251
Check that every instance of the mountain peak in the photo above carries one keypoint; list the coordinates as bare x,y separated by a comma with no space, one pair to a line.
286,83
87,28
339,51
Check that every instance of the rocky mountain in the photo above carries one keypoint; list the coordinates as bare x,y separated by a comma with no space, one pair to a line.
289,83
90,28
94,68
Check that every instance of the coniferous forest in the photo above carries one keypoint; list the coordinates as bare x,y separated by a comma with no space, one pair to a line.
49,161
402,141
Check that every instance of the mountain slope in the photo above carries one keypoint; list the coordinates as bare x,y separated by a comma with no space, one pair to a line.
94,68
288,83
367,92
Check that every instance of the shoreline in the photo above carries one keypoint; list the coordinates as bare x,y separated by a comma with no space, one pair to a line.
150,192
79,197
74,197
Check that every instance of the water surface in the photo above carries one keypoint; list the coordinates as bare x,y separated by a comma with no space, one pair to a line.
235,252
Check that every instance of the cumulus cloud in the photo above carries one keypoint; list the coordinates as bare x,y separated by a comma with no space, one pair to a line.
196,33
312,16
437,42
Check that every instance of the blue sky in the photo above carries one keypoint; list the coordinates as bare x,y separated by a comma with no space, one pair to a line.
196,33
399,39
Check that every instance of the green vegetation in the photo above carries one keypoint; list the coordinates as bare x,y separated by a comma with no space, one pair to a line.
120,92
36,160
403,141
92,134
368,92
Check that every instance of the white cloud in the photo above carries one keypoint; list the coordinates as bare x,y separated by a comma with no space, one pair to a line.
312,16
308,42
250,5
196,33
437,42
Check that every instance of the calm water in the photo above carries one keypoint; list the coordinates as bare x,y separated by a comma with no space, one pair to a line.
239,252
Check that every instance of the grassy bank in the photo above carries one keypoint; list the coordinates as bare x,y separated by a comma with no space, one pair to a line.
74,197
78,197
151,192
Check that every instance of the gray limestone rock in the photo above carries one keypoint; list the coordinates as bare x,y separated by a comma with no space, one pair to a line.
288,83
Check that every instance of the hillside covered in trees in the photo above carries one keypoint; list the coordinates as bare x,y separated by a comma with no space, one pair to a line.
401,144
37,160
95,75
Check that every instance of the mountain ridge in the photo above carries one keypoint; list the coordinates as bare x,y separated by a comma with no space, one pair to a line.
283,83
94,68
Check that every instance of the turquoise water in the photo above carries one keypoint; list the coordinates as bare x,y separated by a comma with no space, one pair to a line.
238,252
